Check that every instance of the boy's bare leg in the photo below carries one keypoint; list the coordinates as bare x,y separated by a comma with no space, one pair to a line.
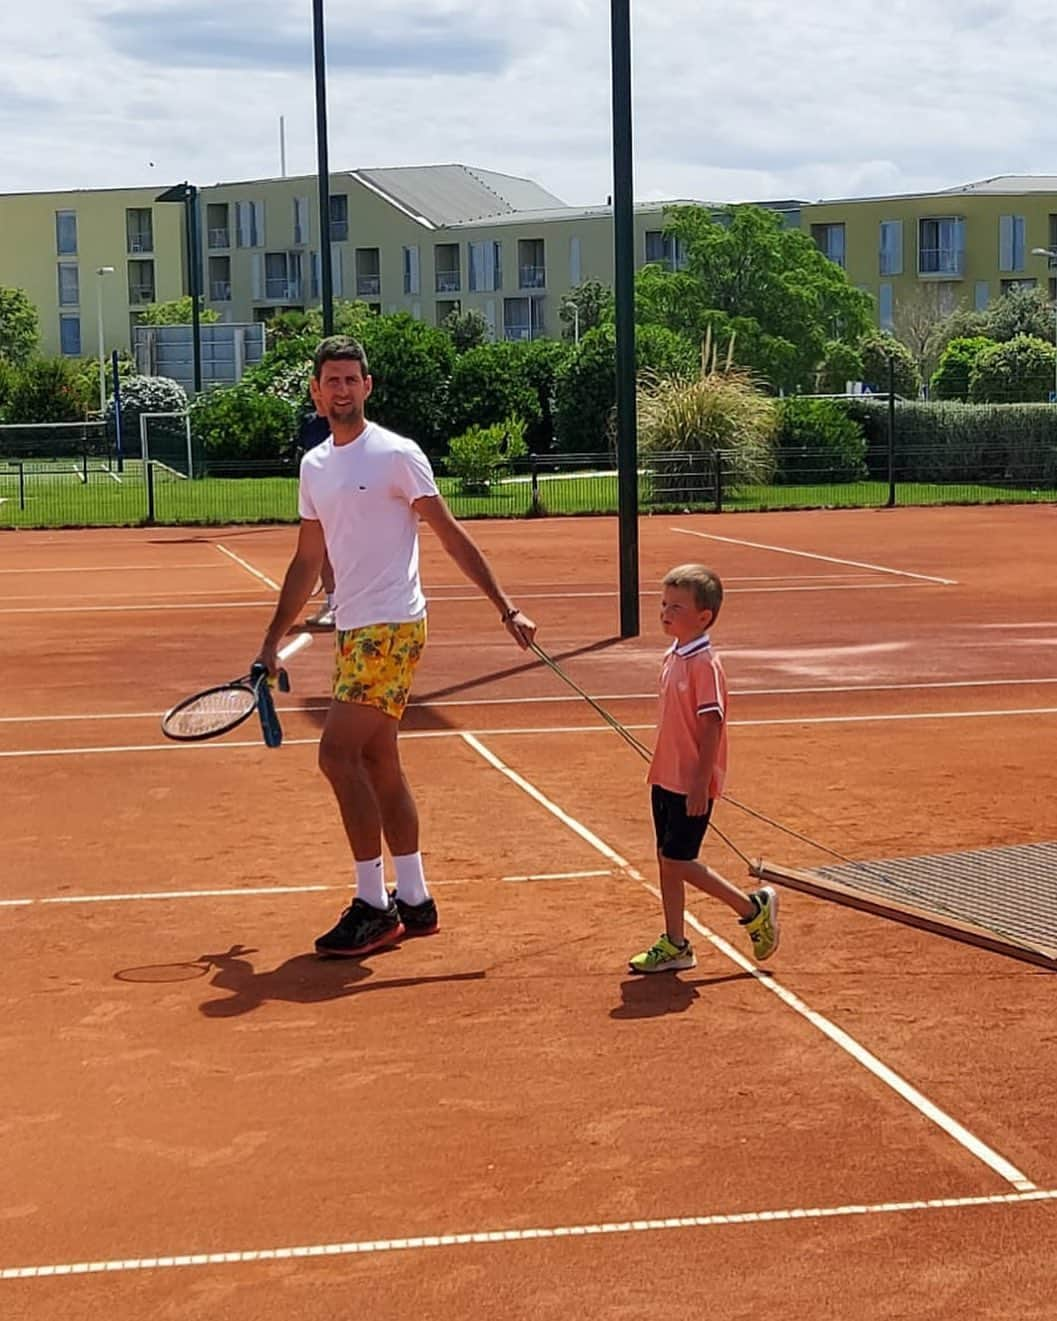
701,878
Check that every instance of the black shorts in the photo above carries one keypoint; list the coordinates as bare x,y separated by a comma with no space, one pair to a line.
678,836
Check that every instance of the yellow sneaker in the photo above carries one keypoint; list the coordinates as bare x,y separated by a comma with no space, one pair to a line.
763,928
664,956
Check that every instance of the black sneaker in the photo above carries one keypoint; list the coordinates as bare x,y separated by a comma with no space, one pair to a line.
418,919
360,929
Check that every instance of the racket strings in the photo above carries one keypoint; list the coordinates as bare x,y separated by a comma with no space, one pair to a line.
215,710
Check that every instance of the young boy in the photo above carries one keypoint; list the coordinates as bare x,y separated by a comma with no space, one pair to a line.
687,772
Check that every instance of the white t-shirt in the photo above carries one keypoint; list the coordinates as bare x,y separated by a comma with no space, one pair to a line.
362,493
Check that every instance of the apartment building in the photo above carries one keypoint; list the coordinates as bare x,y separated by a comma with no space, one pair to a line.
426,240
962,247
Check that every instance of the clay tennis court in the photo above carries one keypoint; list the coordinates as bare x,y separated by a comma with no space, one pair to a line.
201,1119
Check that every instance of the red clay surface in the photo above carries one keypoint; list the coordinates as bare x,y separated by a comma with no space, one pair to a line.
508,1074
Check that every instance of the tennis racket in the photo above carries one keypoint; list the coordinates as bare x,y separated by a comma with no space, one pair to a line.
218,710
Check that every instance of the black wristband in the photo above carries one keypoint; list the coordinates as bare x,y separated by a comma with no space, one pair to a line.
508,615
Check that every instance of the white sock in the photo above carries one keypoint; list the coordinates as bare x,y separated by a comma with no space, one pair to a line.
330,600
370,883
410,882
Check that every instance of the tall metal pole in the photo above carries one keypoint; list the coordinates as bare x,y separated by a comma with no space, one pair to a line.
326,276
194,273
624,289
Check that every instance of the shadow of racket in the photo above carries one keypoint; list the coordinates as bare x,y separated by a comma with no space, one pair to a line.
184,971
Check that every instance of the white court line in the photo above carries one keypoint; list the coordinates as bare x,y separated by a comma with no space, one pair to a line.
261,604
268,582
161,597
810,555
118,568
219,745
490,1238
947,1123
266,890
427,704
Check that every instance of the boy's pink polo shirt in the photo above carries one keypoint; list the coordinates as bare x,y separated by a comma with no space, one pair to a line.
692,683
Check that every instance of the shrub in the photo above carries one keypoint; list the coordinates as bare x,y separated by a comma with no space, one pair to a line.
489,384
481,454
45,390
818,441
876,352
241,423
1019,371
950,380
145,394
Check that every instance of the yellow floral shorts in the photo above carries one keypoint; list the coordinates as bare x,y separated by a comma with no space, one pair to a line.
375,664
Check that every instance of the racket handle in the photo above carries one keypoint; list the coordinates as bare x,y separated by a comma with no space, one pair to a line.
283,681
271,729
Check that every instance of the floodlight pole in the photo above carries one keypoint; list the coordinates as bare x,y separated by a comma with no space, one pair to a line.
326,273
187,193
624,290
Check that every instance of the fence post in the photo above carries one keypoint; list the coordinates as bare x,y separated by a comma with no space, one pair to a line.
891,432
534,474
718,457
150,492
21,486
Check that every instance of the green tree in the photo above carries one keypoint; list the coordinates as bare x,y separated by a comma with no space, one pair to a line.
45,390
488,384
584,307
176,312
481,454
1020,370
585,385
950,380
19,327
468,330
542,361
880,349
841,363
1020,312
242,423
818,442
749,278
411,364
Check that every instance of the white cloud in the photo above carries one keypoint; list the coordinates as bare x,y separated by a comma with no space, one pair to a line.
755,100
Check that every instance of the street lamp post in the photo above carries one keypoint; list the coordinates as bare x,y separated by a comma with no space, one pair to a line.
1052,255
101,272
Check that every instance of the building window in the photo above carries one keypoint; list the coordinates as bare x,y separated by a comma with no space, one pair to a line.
140,282
1011,243
220,279
446,265
941,246
665,250
486,266
69,284
830,241
339,217
575,263
523,318
70,336
301,230
249,224
885,306
412,278
982,296
65,233
282,277
1009,285
446,307
531,264
891,261
218,235
139,229
368,272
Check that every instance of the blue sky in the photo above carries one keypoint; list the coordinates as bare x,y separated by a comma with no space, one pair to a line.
760,99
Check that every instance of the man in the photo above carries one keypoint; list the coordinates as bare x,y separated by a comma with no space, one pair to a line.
362,494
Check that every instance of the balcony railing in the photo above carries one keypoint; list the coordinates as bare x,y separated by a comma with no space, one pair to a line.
368,286
220,291
532,277
276,289
517,332
448,282
141,243
139,294
219,238
339,231
941,261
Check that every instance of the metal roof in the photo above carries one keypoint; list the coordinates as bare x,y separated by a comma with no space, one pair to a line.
441,195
